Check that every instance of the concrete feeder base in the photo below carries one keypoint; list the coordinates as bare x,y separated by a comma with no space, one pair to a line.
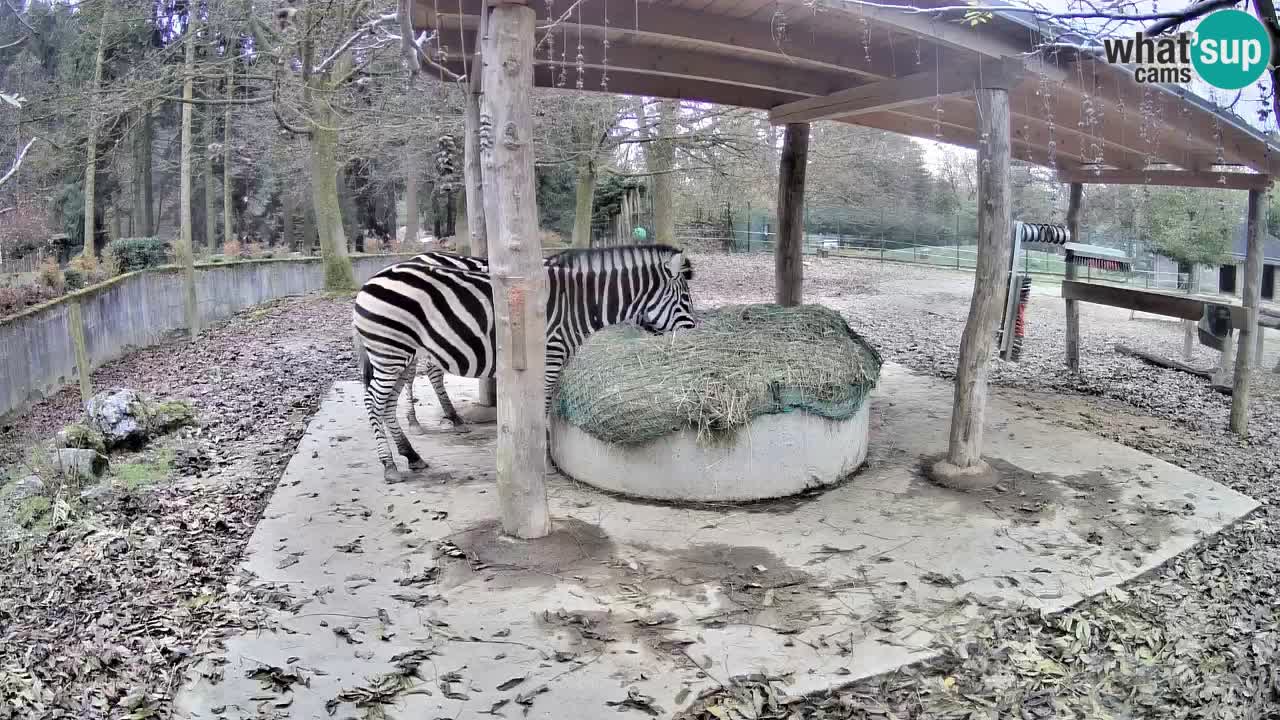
772,456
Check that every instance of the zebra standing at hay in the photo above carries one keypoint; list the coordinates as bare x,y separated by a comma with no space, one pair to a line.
448,314
434,373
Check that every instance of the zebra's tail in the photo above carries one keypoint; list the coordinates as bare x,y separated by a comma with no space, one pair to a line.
362,358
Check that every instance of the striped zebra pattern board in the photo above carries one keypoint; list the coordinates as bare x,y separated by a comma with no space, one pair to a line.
447,315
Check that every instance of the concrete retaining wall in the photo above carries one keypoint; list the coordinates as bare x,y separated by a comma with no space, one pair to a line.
38,353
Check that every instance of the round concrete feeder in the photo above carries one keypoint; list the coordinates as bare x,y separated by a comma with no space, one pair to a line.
770,457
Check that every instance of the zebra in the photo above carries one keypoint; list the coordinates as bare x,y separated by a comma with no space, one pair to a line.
448,313
434,373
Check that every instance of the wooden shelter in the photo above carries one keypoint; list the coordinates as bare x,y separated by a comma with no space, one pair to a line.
1010,87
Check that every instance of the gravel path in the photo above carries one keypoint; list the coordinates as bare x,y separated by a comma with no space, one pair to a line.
102,616
1196,638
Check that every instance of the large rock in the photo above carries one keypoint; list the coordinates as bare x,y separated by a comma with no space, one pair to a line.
28,486
121,416
78,463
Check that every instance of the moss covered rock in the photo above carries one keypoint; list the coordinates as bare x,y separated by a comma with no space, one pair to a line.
170,415
80,435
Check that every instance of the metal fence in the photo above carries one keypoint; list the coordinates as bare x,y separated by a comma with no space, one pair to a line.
959,257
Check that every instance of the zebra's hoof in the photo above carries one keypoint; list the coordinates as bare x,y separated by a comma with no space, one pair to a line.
418,464
417,429
459,426
392,475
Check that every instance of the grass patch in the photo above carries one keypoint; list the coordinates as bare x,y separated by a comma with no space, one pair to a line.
146,471
31,511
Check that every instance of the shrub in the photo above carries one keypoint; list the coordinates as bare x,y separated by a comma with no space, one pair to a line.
51,276
17,299
81,271
131,254
231,249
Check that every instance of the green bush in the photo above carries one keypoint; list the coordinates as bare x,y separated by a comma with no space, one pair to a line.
131,254
75,279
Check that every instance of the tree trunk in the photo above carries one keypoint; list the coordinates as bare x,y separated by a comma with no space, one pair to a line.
1251,296
788,253
1073,307
286,221
437,224
338,274
661,156
411,202
184,250
584,199
91,162
228,223
519,282
964,467
210,211
472,184
450,226
146,213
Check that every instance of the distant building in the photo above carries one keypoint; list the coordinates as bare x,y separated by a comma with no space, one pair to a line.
1226,278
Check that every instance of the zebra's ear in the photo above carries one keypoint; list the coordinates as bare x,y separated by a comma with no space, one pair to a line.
679,265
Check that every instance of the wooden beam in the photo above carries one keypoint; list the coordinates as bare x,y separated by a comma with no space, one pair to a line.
1074,201
955,134
964,467
886,94
1250,298
788,263
1177,178
627,54
736,37
472,175
515,261
1147,301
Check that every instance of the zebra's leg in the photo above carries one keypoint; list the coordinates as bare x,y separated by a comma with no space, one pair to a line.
381,388
435,374
410,372
393,425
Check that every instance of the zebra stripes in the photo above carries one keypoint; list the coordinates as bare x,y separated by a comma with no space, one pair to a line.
447,314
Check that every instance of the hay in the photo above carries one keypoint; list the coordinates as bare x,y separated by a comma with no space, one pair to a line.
625,386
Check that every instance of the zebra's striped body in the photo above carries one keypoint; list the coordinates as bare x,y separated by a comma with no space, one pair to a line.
448,315
433,371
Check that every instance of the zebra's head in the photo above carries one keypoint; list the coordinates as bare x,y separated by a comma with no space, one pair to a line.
672,307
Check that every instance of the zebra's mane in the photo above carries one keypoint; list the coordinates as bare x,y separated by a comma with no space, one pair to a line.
617,257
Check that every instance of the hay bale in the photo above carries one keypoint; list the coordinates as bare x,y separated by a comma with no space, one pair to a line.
625,386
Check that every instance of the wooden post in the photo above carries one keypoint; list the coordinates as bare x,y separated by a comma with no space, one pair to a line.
75,323
789,249
963,467
1073,307
1189,326
473,180
515,261
1250,298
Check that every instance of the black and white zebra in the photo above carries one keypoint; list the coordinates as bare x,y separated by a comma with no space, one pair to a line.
447,314
433,371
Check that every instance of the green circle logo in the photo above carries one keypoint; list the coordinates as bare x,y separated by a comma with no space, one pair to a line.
1231,49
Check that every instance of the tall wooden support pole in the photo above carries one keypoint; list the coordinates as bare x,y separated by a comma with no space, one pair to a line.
963,466
1073,307
1251,296
472,178
515,261
788,252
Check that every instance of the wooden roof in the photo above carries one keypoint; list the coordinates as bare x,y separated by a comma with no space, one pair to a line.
897,70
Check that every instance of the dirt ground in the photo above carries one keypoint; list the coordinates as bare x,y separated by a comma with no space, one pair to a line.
101,608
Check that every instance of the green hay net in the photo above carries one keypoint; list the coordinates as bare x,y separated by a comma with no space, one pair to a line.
625,386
